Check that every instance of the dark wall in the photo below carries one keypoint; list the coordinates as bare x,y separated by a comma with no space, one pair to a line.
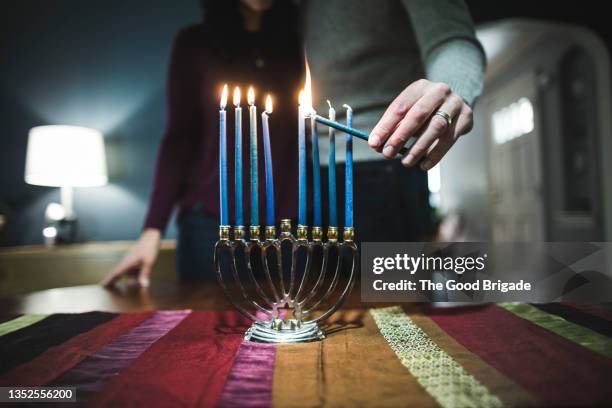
96,64
587,13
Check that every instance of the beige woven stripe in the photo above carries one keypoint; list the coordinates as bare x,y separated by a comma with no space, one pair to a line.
445,379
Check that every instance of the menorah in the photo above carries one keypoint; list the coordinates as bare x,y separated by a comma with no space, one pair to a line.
330,267
287,284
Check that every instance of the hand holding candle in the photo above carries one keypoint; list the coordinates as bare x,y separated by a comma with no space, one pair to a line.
429,109
349,130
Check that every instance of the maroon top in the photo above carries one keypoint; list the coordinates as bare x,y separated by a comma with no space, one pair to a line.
187,169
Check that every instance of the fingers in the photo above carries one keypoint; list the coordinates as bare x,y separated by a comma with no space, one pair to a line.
124,266
439,150
465,121
436,129
462,126
144,276
417,116
396,112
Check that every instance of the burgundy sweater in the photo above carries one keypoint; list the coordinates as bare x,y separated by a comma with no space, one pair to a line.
187,171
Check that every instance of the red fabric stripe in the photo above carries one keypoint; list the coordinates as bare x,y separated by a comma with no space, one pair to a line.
187,367
555,369
593,310
249,383
59,359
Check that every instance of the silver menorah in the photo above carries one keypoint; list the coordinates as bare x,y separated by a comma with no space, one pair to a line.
289,284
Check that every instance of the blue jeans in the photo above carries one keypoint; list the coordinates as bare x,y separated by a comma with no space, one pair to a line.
197,234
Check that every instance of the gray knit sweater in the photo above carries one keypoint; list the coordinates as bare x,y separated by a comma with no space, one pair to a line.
365,52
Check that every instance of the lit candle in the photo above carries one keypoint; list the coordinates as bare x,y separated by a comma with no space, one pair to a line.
333,218
253,161
238,158
309,112
302,161
348,200
268,156
223,158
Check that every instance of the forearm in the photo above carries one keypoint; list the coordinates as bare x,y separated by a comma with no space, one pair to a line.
460,64
172,166
450,51
177,147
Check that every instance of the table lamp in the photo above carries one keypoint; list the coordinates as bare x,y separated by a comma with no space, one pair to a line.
65,157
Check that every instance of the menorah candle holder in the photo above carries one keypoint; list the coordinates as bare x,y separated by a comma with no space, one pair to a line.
287,301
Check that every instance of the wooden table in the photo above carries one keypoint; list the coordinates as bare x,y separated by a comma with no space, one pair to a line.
160,296
26,269
77,299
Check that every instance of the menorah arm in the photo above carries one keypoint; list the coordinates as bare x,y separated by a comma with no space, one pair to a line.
247,252
318,282
218,246
347,289
307,270
264,260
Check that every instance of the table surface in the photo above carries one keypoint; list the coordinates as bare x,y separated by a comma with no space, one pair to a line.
77,299
159,296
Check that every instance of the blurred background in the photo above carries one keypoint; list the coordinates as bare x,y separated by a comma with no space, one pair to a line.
535,167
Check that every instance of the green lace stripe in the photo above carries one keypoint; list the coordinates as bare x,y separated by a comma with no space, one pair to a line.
19,323
578,334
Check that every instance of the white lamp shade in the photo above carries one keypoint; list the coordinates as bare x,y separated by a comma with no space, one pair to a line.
65,156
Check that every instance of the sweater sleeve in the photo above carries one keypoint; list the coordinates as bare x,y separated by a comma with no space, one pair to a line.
175,152
450,51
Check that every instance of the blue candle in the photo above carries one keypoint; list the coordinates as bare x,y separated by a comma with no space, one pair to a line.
238,158
223,158
254,172
333,217
302,162
316,172
348,200
268,156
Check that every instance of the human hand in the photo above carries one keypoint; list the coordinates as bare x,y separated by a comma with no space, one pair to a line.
413,113
139,260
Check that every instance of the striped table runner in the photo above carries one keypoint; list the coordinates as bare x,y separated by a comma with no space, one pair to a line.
512,354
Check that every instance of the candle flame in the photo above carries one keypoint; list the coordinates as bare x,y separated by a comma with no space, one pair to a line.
307,96
251,96
268,104
301,97
237,96
223,97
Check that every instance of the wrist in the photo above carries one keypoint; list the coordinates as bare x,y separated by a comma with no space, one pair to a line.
151,234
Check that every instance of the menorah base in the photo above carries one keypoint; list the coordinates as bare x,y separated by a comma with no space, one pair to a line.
266,332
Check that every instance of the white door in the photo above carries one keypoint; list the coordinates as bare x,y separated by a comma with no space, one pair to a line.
515,169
